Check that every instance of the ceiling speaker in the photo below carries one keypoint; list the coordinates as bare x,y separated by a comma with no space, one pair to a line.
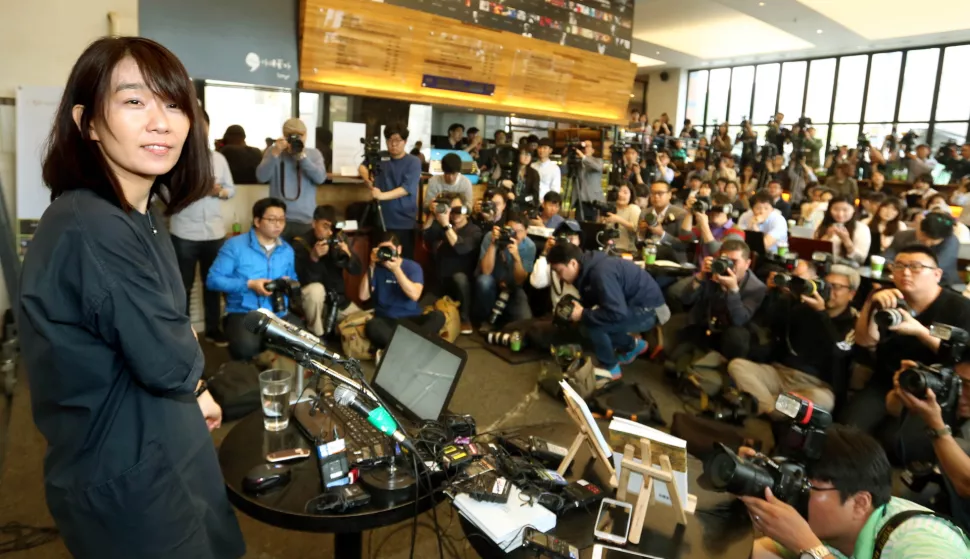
664,76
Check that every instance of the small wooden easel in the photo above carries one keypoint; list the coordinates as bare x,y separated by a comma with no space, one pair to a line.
651,474
585,435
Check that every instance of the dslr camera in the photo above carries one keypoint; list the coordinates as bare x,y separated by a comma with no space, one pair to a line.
564,309
886,318
282,289
941,378
386,254
506,237
807,287
602,207
296,143
442,205
786,476
721,265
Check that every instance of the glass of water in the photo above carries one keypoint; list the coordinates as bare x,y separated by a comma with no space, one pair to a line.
274,390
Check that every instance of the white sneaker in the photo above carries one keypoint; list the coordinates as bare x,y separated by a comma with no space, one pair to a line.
378,355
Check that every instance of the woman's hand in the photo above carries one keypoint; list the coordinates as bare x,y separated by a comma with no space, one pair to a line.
210,410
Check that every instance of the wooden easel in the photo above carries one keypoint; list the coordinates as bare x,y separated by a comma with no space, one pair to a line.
651,474
585,435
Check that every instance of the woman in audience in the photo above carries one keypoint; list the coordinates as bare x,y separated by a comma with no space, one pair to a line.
850,239
627,217
937,203
748,180
814,212
721,141
885,223
525,183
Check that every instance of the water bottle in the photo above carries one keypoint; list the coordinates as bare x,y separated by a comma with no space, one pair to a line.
515,342
649,254
236,226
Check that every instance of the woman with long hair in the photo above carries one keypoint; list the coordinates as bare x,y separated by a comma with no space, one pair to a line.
524,185
850,239
626,218
113,363
885,223
748,179
721,141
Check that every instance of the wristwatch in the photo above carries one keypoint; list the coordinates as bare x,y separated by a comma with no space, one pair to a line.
944,431
818,552
203,386
448,227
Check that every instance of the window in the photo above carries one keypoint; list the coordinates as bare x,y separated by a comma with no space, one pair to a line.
696,96
844,135
918,83
851,86
765,92
954,102
877,134
717,96
883,85
261,112
741,81
792,90
310,115
821,78
944,133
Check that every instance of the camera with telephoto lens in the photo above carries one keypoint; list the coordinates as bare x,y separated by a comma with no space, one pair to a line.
334,301
506,236
339,255
886,318
786,261
908,140
564,309
386,254
498,309
721,265
650,219
282,289
801,286
602,207
296,143
724,470
941,378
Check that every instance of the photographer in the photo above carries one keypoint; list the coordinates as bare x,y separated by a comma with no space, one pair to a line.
664,171
699,172
850,503
813,148
396,187
765,218
920,302
723,303
450,180
617,298
633,173
322,257
811,337
549,217
843,183
589,182
293,173
396,284
949,443
506,258
799,175
662,221
523,185
454,241
550,177
709,227
935,231
624,219
919,163
245,265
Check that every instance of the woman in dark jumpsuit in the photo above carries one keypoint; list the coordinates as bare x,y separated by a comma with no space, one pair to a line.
113,364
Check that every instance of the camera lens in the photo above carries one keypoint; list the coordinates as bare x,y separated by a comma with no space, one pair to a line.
917,380
886,318
782,280
728,473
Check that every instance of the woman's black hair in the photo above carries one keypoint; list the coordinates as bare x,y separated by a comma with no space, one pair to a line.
829,220
892,227
853,462
73,160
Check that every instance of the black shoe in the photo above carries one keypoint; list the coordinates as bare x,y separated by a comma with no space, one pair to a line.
217,339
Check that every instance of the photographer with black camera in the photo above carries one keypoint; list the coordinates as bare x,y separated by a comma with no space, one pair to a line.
625,218
519,180
935,232
589,182
708,221
293,172
549,216
617,298
844,507
395,188
256,270
322,256
812,327
454,241
894,322
450,180
633,173
396,285
492,209
506,259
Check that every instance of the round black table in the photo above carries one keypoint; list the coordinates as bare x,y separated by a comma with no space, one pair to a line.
726,535
247,445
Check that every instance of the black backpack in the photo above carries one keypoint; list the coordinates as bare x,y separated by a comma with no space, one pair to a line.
235,387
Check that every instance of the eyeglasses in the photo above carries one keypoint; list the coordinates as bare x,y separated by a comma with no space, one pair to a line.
913,267
813,487
659,192
274,220
838,286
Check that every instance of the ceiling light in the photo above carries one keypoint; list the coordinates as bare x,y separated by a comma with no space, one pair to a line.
658,52
761,3
819,31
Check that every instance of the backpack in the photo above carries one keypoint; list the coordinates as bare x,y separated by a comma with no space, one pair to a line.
448,307
354,341
578,374
235,387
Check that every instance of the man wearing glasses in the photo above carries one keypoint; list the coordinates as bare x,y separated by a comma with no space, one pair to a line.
662,222
917,292
245,264
396,188
812,337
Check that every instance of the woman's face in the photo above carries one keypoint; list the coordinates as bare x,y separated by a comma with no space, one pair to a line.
722,129
525,158
623,196
841,212
748,171
888,212
140,134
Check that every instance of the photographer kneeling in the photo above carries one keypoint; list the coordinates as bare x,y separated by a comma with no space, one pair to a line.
812,329
506,259
396,284
322,256
454,241
255,270
617,297
849,506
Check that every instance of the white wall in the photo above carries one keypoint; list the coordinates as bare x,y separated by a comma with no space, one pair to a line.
39,42
667,96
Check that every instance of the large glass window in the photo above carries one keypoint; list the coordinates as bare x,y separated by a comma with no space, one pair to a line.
851,87
918,84
717,96
765,92
845,135
261,112
792,90
883,85
946,132
821,78
696,95
954,101
741,86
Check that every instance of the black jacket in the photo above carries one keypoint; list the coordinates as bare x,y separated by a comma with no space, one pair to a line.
614,286
460,258
112,363
243,161
329,270
527,193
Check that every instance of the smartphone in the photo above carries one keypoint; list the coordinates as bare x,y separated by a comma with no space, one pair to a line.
613,521
606,552
288,454
548,545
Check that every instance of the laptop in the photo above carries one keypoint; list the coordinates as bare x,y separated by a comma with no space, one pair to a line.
416,379
755,241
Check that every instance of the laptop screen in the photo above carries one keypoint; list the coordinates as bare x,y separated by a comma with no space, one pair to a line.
418,375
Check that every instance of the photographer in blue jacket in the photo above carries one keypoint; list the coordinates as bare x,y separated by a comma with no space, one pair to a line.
616,297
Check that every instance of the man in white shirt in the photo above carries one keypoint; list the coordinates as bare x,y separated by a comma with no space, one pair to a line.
550,178
197,235
765,218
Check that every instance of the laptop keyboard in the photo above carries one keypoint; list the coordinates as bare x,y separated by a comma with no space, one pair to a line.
366,445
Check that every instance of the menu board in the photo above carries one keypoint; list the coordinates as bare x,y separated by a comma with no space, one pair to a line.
603,26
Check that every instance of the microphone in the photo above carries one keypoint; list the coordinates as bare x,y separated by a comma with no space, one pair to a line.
264,323
375,415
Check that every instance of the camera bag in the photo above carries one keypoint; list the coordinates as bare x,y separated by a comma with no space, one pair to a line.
578,374
627,400
235,387
353,340
448,307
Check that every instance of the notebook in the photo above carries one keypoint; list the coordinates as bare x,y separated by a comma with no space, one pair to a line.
505,522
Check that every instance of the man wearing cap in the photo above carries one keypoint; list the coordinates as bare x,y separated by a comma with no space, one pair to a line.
242,159
293,172
550,178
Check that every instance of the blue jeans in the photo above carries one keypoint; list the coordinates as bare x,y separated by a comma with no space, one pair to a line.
486,292
609,339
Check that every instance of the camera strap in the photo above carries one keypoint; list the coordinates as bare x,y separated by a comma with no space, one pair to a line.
895,520
299,181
